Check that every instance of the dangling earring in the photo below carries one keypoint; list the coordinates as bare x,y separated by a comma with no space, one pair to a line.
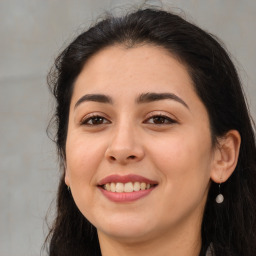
220,198
68,188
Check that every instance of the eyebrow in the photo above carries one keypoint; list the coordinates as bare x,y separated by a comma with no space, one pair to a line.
143,98
151,97
94,97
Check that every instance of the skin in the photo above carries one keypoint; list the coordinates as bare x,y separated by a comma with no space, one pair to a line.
177,153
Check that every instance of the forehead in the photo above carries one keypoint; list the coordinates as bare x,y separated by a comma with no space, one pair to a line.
146,67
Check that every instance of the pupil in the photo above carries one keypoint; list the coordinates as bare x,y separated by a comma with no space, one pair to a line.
97,120
159,120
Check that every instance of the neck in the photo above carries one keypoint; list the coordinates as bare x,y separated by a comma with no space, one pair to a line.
178,242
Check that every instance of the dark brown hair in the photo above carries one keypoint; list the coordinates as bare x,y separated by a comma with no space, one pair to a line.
231,226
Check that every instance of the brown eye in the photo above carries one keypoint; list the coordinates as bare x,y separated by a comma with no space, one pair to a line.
95,120
158,120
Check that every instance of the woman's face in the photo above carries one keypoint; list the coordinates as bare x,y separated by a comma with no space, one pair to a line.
136,126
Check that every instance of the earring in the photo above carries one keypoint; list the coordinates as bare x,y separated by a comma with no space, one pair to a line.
220,198
68,188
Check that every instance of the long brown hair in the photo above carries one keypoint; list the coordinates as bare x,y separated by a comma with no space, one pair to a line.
231,226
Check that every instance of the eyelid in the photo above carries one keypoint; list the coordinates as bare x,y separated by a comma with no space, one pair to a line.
168,116
94,114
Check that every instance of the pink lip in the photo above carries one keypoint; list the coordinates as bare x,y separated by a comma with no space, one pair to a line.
125,179
125,197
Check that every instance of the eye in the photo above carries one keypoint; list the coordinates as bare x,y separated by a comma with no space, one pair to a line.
160,120
95,120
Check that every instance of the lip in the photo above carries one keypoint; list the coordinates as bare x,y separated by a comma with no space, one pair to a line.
125,179
126,197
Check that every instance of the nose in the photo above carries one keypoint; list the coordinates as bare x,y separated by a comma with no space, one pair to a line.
125,146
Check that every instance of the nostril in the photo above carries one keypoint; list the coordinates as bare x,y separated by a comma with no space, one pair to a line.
132,157
112,158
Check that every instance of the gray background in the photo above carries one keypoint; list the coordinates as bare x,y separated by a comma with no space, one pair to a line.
32,33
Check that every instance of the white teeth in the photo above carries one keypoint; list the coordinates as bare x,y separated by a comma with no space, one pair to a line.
113,187
143,186
126,187
136,186
119,187
107,187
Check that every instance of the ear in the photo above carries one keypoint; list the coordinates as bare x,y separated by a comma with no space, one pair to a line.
226,156
67,177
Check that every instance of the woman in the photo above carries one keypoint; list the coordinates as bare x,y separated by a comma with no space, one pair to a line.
156,145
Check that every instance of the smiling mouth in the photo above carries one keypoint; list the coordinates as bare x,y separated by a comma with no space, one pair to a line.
127,187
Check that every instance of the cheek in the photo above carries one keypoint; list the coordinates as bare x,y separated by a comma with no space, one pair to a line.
83,156
184,166
183,160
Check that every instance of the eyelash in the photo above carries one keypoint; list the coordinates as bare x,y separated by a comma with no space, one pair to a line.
93,118
164,120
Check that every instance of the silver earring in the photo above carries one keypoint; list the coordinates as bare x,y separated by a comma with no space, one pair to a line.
220,198
68,188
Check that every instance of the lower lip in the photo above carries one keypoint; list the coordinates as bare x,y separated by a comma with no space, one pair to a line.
126,197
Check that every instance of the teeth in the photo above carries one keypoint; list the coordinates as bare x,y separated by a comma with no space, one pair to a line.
143,186
126,187
113,187
107,187
136,186
119,187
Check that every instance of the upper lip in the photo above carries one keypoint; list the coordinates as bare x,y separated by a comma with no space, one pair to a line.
125,178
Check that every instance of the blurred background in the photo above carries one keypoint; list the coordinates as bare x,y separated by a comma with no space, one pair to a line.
32,34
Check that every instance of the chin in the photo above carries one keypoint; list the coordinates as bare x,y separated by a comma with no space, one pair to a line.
126,229
132,235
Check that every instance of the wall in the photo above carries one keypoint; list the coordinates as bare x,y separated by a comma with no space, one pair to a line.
32,32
